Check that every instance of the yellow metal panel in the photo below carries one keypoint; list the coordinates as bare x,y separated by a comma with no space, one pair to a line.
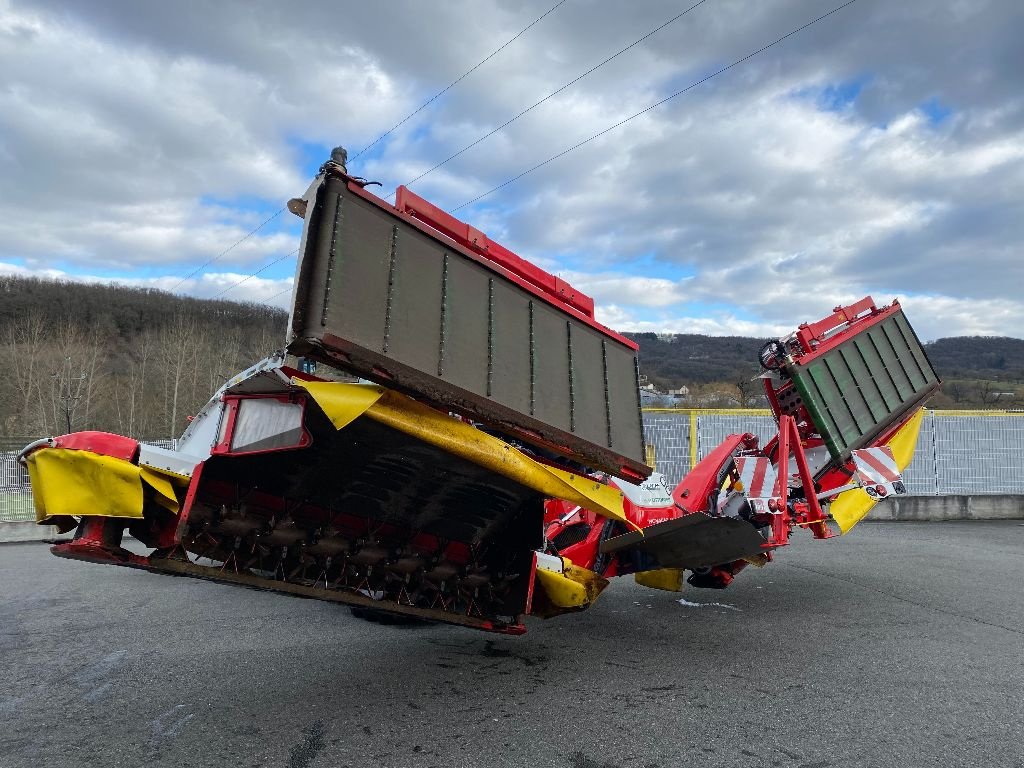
668,579
852,506
693,439
575,587
343,403
165,486
438,429
650,455
460,439
67,482
561,590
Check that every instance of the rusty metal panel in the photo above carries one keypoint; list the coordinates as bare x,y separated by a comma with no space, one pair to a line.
383,296
510,345
590,417
551,366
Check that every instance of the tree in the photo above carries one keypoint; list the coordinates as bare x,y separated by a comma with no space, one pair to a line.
956,391
24,342
987,392
74,356
748,384
177,354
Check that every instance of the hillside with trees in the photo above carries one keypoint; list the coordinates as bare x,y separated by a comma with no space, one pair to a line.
672,360
977,371
128,360
138,361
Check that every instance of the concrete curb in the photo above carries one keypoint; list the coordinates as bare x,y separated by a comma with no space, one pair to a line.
13,533
938,508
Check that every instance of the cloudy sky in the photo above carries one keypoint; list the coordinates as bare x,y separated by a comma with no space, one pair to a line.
878,151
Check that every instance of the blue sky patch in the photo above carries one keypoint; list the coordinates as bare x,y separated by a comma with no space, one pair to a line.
835,97
310,154
936,111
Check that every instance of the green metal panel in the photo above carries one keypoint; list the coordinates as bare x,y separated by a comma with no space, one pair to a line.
856,390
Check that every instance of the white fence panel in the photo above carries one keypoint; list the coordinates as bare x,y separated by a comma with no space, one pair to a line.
957,453
15,491
669,433
979,454
713,429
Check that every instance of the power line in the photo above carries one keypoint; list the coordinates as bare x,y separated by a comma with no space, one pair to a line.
419,109
227,250
653,106
458,80
555,92
577,79
278,295
262,269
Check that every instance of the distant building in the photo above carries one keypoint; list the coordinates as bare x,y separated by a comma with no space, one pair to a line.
652,397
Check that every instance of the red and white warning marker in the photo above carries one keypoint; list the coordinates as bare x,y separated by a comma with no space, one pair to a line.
758,476
877,473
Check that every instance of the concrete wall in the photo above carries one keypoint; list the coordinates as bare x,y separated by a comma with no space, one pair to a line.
934,508
29,531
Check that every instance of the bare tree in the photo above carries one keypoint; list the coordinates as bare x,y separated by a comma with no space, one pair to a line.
987,392
25,341
956,391
93,350
75,357
748,386
131,399
177,353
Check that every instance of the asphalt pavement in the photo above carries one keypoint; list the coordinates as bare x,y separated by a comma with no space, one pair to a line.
901,644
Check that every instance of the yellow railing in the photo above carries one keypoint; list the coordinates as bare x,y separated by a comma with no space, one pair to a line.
767,412
713,411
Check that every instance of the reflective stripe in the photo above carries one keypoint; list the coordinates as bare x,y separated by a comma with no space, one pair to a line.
876,465
757,475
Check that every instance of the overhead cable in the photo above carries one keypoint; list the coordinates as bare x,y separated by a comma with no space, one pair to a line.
653,106
262,269
278,295
555,92
457,80
429,101
227,250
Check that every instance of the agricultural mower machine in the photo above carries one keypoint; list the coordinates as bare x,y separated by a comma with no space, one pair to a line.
486,459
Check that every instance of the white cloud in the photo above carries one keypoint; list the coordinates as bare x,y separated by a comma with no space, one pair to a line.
715,324
140,136
610,288
934,315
